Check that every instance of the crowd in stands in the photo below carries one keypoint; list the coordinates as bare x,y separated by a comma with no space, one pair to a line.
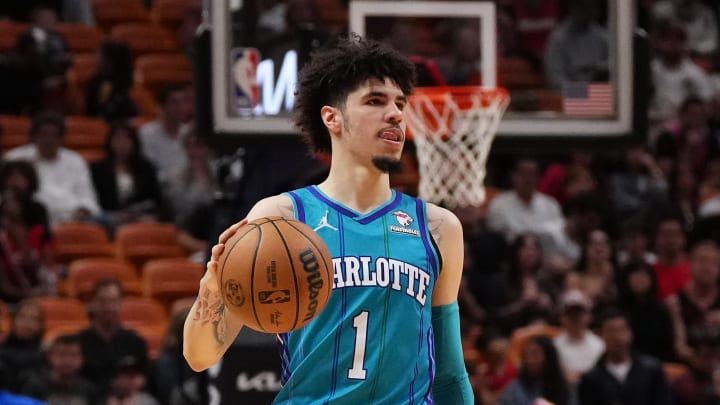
589,279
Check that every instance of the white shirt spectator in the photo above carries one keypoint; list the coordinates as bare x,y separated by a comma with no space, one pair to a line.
163,150
579,356
701,26
65,184
673,86
511,216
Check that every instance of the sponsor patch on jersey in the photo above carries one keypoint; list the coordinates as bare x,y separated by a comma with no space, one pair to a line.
405,220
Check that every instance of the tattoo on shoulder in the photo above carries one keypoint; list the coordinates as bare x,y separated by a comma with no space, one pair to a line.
286,209
435,225
211,309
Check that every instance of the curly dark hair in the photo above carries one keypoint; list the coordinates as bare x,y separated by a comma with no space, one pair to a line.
336,71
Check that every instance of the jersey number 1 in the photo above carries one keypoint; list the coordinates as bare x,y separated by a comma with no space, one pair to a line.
360,323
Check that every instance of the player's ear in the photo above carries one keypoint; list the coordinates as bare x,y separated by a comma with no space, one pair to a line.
331,118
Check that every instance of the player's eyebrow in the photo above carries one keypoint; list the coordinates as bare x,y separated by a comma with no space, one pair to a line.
378,93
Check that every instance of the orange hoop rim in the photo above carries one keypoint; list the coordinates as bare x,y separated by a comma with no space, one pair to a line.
462,94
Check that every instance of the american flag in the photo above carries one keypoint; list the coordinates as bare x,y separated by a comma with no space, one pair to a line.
588,99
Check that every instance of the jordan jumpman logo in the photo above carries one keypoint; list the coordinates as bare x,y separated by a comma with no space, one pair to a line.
324,223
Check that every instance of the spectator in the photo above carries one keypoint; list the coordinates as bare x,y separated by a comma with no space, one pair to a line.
577,49
690,141
20,178
193,185
534,22
461,66
692,305
107,94
697,386
21,351
523,296
674,75
7,397
595,275
583,213
125,182
622,377
175,381
78,11
61,383
649,319
50,55
524,209
162,139
638,185
106,342
696,18
128,384
496,371
540,377
634,242
68,198
26,267
672,266
578,347
563,181
684,193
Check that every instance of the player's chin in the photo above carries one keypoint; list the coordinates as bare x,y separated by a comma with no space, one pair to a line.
388,164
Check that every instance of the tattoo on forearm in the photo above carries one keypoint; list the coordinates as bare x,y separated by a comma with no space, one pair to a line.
221,325
211,309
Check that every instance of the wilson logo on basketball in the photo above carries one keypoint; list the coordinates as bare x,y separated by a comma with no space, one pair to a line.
274,297
314,279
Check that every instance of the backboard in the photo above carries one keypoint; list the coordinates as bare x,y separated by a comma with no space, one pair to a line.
588,95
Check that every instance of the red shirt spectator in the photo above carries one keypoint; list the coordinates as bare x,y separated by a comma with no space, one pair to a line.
534,21
672,277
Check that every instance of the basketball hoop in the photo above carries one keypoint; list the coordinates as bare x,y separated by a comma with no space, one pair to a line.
453,129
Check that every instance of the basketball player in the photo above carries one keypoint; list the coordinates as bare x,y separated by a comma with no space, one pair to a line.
390,333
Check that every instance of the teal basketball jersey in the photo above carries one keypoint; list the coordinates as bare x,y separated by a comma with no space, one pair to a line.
373,343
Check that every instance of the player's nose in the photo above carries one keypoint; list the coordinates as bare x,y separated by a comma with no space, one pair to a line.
394,114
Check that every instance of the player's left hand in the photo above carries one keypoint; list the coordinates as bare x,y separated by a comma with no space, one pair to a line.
227,234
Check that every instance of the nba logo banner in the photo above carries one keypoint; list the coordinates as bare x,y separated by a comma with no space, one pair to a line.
246,91
588,99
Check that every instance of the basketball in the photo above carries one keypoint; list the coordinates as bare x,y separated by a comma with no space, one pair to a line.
275,274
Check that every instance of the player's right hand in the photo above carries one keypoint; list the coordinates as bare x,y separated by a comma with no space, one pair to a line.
210,279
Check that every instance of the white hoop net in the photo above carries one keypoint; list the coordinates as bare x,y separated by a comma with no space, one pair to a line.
453,129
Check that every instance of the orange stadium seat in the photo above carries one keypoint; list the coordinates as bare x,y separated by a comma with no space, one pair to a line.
145,101
170,279
79,240
109,13
54,333
9,31
674,371
137,312
153,71
520,337
85,273
66,313
144,38
181,304
140,242
81,37
15,131
171,13
5,321
83,68
85,133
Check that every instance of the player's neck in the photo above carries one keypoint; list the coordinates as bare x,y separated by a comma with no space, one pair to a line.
360,188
